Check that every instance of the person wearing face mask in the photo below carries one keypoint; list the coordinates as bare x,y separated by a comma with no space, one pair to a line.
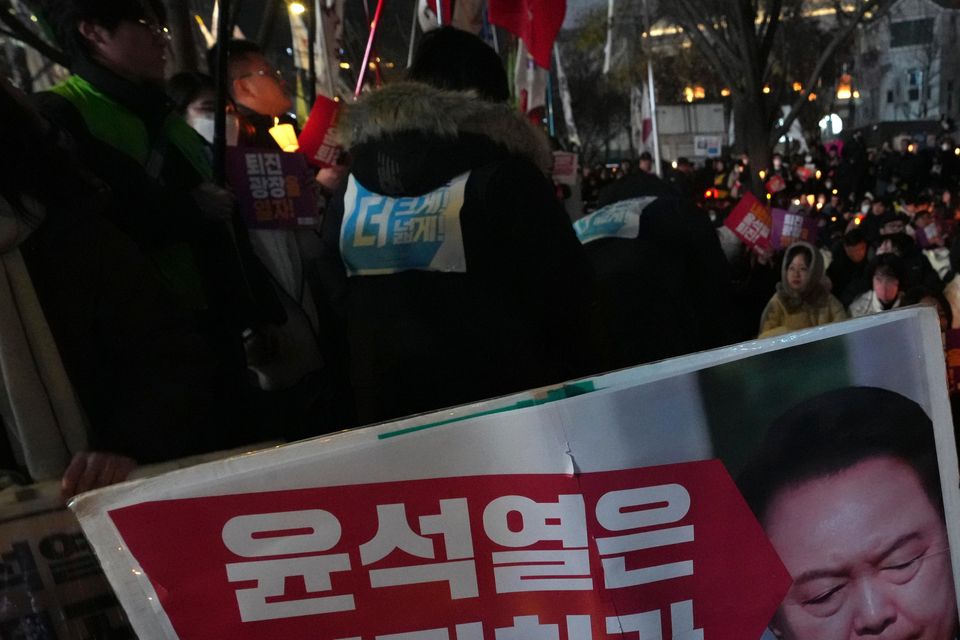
195,98
801,301
885,292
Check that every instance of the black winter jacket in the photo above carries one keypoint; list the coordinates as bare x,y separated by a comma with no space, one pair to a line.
504,312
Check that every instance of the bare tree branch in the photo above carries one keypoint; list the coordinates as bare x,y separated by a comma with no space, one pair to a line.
842,34
717,53
769,32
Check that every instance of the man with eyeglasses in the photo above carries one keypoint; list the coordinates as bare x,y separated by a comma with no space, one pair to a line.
159,176
847,489
258,91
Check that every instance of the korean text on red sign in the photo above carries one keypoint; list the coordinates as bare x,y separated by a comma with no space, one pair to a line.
652,551
750,221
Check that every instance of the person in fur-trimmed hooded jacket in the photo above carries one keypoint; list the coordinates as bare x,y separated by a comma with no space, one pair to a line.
801,301
456,270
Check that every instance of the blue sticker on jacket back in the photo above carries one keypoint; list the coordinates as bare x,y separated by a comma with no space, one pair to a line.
617,220
381,235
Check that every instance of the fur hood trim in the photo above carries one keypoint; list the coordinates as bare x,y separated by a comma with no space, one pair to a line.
414,106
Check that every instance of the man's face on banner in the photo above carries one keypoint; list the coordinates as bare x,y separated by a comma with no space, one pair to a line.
868,554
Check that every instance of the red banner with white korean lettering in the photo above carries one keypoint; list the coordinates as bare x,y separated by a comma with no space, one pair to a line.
318,140
670,551
750,221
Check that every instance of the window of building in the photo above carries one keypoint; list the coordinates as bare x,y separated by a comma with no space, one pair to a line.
909,33
890,97
914,84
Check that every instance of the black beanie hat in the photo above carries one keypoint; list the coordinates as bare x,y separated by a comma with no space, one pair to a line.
449,58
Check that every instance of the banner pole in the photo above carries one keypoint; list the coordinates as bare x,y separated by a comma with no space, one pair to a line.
413,35
220,115
653,93
366,56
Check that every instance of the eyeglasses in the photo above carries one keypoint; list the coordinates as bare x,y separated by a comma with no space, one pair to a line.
155,28
266,73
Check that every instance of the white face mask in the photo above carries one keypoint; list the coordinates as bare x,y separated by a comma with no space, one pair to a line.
865,208
204,125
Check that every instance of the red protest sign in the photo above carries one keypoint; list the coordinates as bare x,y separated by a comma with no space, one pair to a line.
776,184
750,221
318,140
601,555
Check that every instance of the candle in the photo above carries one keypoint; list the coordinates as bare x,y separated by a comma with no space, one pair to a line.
285,136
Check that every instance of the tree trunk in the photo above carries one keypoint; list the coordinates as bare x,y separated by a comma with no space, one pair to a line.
181,27
749,119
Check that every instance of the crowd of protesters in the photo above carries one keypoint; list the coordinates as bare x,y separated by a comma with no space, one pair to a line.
158,325
885,221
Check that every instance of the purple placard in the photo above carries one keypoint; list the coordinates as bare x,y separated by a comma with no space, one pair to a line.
789,227
274,189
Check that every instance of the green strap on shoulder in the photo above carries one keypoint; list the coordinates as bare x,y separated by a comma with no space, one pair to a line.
123,130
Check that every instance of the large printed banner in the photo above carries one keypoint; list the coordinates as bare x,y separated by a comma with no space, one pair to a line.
709,497
601,554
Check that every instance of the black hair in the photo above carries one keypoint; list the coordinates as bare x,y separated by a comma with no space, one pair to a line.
888,264
64,18
449,58
798,249
184,87
831,432
854,237
237,51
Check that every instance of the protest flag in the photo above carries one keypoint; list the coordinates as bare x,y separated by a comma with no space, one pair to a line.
565,100
641,122
530,82
535,22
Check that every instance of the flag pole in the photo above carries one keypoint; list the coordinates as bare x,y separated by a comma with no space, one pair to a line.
219,72
413,35
551,124
608,48
652,92
312,20
366,56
